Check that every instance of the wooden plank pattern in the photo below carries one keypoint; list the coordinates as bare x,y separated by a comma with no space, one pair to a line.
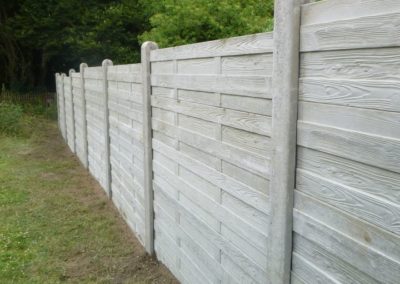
95,116
381,213
126,144
69,112
370,149
61,104
373,122
381,268
199,141
364,64
247,121
328,264
356,228
211,121
257,43
347,197
369,179
253,86
242,158
335,10
367,94
78,116
374,31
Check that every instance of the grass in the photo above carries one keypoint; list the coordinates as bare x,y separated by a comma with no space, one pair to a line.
57,225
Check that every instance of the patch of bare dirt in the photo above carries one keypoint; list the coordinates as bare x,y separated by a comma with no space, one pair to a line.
134,267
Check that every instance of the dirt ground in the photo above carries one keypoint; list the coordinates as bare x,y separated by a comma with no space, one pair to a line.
72,232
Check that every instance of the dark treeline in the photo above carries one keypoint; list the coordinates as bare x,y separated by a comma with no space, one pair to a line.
41,37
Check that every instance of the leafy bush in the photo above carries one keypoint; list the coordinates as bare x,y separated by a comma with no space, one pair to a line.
176,22
10,118
32,103
46,111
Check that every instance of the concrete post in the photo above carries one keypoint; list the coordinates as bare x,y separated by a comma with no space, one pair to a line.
72,110
105,64
84,119
57,75
147,47
64,122
285,80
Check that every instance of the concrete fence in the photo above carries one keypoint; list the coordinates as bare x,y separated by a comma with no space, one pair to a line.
268,158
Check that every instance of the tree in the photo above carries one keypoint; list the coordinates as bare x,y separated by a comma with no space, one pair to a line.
9,49
176,22
41,37
55,35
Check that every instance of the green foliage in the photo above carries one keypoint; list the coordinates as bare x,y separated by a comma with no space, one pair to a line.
114,33
176,22
41,104
56,35
41,110
10,118
41,37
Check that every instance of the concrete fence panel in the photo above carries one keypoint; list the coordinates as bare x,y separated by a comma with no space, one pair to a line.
60,104
211,118
347,202
267,158
125,105
69,112
78,116
94,96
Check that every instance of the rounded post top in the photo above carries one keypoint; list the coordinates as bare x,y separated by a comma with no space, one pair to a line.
149,45
71,71
63,75
106,62
82,66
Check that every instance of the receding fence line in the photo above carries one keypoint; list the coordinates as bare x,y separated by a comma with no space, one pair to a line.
260,158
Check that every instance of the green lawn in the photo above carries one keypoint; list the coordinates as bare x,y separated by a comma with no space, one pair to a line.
56,225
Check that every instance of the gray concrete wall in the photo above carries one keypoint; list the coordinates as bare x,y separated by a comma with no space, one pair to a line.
78,116
94,94
211,119
197,147
347,202
126,144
